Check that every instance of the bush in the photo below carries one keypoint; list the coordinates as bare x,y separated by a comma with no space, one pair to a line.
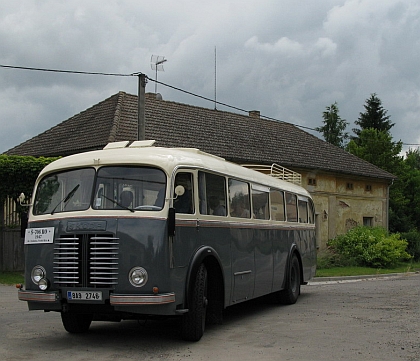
413,248
329,258
18,174
370,247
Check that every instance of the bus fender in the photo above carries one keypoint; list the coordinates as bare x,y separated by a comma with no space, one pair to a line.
293,250
195,263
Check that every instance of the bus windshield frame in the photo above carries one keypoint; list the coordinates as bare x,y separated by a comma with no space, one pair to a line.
133,188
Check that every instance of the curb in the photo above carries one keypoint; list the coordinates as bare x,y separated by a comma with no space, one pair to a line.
359,278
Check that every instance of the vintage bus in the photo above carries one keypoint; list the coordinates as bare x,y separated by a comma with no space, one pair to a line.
134,231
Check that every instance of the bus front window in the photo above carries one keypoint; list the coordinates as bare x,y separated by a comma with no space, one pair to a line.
130,188
64,192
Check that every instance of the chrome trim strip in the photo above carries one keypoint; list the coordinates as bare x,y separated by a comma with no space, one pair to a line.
37,296
242,273
142,299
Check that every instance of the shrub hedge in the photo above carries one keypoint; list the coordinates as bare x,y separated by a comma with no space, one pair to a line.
370,247
18,174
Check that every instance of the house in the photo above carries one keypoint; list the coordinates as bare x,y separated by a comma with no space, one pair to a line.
347,191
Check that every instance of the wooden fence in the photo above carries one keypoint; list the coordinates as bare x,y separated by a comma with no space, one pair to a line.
11,242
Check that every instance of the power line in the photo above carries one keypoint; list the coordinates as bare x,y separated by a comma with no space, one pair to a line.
65,71
158,82
154,80
199,96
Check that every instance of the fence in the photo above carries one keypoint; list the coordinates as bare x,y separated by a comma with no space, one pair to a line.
11,242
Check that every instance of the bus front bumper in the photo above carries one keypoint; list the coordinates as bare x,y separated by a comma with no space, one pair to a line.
34,296
156,299
115,299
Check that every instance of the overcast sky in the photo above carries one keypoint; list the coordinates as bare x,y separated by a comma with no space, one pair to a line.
287,59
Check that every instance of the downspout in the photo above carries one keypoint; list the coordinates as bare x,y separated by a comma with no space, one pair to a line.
387,204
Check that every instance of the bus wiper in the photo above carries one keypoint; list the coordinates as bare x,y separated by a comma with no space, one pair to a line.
118,204
66,198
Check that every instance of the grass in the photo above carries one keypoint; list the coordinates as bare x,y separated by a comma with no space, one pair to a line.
11,278
358,271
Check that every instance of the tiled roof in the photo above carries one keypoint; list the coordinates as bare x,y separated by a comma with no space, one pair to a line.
238,138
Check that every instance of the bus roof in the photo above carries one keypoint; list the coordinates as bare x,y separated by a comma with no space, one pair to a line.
144,153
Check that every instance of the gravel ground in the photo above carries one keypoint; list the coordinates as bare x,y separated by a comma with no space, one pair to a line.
346,319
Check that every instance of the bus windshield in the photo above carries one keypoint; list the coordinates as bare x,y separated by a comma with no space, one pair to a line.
121,187
64,192
132,188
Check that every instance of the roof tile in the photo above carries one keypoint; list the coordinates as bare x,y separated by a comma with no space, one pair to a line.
236,137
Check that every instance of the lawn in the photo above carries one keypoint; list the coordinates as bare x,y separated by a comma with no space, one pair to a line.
11,278
358,271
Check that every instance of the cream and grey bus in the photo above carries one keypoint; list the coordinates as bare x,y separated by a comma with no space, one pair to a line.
134,231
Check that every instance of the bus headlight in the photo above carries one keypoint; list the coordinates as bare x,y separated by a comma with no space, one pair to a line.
38,272
43,284
138,276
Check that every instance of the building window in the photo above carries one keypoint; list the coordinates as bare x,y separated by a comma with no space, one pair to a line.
349,186
368,188
368,221
312,181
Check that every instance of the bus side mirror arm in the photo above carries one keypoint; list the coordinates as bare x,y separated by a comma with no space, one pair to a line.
23,223
171,222
21,199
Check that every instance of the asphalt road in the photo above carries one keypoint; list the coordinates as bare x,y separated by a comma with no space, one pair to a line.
370,319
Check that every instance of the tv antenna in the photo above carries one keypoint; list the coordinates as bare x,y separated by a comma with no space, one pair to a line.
157,65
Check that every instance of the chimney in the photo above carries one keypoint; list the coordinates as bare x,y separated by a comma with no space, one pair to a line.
156,96
254,114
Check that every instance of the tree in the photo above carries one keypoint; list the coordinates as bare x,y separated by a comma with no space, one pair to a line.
377,147
375,117
334,127
412,158
408,216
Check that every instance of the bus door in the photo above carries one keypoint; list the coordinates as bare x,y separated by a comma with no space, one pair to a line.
242,241
263,240
186,222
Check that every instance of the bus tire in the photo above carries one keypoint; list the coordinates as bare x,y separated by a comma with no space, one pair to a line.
76,322
290,294
193,322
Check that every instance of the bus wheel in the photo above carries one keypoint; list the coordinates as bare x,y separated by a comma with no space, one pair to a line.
193,322
76,322
290,294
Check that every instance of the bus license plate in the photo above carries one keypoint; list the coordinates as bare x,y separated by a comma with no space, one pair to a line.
84,296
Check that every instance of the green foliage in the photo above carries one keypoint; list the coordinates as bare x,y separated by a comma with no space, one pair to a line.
18,174
371,247
404,212
374,117
328,258
334,127
412,158
377,148
413,240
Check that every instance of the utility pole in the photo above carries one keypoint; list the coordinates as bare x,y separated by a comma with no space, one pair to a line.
141,107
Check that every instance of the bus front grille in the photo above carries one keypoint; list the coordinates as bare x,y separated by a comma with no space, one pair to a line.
86,260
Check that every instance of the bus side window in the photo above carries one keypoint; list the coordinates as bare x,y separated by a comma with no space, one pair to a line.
277,205
303,211
311,211
239,199
291,207
212,194
184,203
260,202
